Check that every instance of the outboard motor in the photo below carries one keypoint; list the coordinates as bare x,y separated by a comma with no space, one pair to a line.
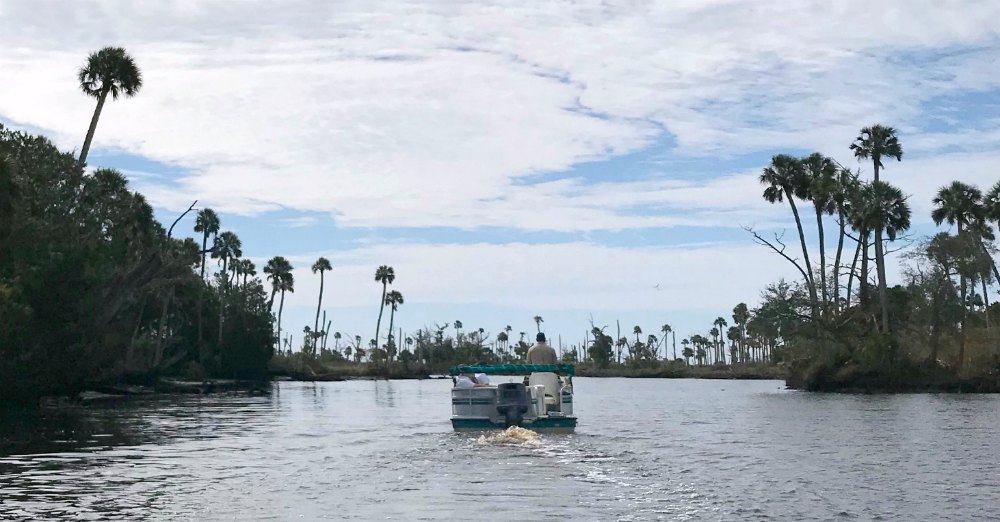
512,402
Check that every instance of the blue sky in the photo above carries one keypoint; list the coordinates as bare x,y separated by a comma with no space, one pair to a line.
511,159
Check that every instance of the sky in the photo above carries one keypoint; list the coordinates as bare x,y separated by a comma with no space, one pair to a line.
585,161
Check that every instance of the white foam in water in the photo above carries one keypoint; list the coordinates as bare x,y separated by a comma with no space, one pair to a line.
512,435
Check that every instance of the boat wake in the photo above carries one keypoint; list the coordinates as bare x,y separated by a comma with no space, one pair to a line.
514,435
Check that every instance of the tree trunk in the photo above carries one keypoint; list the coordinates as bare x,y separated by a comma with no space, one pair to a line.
822,259
130,355
965,311
161,331
880,267
863,276
836,261
201,288
986,305
93,123
392,318
381,308
281,308
318,306
805,254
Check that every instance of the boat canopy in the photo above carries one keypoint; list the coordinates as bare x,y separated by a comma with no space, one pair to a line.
513,369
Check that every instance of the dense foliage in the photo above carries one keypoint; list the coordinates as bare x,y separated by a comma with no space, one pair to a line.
934,330
93,288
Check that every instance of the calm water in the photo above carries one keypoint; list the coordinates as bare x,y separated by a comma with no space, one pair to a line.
645,449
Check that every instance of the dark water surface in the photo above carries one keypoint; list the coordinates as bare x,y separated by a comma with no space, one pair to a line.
645,449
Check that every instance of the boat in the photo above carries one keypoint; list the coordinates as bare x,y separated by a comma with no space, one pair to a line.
542,402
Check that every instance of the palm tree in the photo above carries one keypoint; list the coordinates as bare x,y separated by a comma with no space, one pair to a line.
285,284
877,142
721,324
874,143
385,275
393,299
733,334
108,71
741,314
666,330
846,184
687,352
714,332
336,341
885,210
784,179
637,331
321,265
502,340
276,269
207,222
821,179
991,212
538,323
227,246
960,204
248,269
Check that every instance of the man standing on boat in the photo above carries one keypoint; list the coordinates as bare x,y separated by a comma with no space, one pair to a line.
541,352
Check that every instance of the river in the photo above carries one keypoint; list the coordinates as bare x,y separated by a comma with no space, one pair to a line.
645,449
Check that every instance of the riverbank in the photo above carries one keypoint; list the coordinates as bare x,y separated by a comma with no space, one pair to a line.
301,368
850,377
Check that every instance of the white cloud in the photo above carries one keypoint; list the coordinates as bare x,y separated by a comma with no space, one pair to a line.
406,114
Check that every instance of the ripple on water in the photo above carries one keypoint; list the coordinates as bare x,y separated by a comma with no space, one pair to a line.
645,449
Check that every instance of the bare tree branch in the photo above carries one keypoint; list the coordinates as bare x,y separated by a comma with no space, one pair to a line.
180,217
780,251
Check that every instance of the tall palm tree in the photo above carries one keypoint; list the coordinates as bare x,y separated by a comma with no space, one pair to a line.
248,269
741,314
286,283
721,324
666,329
321,265
877,142
336,340
687,352
714,332
733,334
108,71
991,213
785,180
846,184
538,323
821,180
637,331
385,275
206,222
227,247
961,205
393,299
885,210
276,268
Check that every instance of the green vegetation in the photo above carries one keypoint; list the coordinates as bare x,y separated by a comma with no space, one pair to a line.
932,332
94,290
